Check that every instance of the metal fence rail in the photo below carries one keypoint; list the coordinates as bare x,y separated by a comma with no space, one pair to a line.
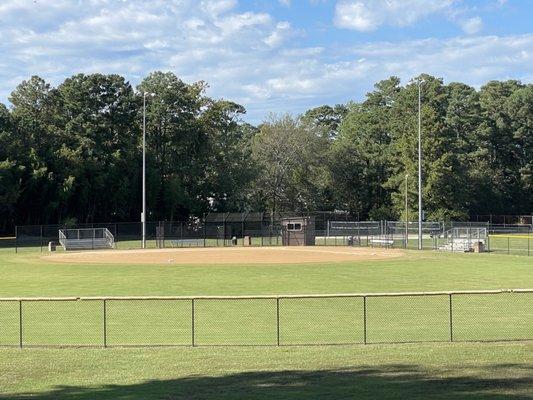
364,318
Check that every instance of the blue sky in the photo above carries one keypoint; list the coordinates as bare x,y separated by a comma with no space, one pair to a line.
271,56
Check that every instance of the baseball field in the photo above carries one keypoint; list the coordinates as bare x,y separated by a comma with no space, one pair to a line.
65,369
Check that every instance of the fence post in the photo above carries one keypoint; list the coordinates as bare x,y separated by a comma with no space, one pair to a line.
528,243
41,238
451,318
20,324
224,224
242,228
105,323
269,226
16,240
508,245
326,236
192,323
277,320
205,231
364,320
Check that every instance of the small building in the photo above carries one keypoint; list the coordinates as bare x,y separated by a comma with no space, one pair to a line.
298,231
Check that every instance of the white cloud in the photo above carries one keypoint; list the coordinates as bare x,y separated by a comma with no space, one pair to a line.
237,22
245,56
216,7
472,25
368,15
276,38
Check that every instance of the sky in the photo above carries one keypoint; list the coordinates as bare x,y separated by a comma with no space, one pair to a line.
277,56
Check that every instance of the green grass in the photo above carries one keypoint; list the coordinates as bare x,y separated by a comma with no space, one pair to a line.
27,275
247,322
443,370
422,371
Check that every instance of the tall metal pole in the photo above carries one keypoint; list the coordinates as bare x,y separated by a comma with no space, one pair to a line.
143,215
406,214
420,165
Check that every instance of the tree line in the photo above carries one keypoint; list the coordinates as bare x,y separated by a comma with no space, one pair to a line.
72,153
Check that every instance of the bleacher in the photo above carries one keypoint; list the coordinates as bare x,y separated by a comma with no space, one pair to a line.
86,239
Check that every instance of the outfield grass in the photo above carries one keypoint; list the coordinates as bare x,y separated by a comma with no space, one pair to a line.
471,371
254,321
27,274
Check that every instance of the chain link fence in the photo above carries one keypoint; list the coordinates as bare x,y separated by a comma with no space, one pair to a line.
268,320
266,229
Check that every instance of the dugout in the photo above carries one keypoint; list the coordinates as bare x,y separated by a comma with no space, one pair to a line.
298,231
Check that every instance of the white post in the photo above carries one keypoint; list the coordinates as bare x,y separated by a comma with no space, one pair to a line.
420,165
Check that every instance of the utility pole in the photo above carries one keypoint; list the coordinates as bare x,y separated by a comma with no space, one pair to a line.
420,211
406,214
143,214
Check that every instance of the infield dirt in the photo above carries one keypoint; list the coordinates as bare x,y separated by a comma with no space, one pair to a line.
227,255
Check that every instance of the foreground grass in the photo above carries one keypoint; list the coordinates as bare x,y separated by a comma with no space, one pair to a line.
446,371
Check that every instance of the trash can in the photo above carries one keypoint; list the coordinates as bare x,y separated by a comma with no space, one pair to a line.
234,241
51,246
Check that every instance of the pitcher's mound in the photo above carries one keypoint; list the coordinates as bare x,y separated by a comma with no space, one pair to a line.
228,255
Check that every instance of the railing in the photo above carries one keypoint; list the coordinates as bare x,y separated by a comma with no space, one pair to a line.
110,240
86,239
462,239
364,318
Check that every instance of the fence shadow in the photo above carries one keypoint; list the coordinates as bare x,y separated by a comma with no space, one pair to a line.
504,381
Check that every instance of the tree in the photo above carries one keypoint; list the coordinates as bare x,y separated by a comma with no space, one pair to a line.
97,157
229,168
34,135
177,146
326,118
520,110
290,158
500,153
360,156
445,180
74,152
11,171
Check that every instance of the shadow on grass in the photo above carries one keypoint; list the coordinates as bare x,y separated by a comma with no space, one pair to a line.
505,381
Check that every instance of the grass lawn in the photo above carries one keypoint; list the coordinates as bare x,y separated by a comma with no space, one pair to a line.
438,370
422,371
26,274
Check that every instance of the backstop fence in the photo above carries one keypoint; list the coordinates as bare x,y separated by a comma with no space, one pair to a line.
266,229
285,320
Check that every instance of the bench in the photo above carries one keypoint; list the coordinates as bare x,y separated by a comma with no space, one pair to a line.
388,242
186,242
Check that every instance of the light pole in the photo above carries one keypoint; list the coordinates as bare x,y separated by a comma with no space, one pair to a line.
420,212
406,214
143,214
